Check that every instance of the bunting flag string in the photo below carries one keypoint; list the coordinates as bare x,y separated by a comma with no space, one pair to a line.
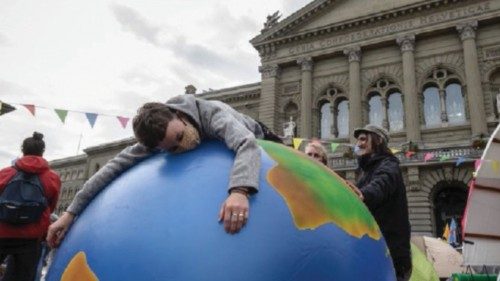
62,113
296,142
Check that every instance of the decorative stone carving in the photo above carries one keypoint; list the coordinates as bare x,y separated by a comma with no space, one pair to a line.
467,30
354,53
271,21
269,71
306,63
406,42
190,90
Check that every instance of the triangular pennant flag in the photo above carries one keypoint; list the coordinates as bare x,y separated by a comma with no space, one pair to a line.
6,108
31,108
477,164
460,160
123,121
444,158
62,114
334,146
446,232
91,117
428,156
297,142
394,150
409,154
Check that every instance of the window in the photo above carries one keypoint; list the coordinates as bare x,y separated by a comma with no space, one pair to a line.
455,103
326,120
375,113
385,105
432,112
343,119
443,99
333,114
395,112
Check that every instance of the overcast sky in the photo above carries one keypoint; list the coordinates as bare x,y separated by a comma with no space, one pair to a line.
111,57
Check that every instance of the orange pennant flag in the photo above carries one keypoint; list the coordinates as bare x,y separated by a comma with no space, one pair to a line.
30,107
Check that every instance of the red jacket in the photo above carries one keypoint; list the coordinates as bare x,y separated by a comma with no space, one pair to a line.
51,184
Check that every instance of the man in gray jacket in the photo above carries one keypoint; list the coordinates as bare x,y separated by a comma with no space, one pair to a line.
177,126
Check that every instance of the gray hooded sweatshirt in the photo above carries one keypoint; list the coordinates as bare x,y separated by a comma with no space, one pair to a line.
214,120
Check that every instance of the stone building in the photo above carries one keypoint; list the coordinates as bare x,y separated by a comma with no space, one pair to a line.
427,70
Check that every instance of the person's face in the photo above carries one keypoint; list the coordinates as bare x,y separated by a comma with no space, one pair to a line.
180,136
313,153
365,144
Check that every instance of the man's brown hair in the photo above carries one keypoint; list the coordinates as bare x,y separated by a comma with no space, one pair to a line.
151,122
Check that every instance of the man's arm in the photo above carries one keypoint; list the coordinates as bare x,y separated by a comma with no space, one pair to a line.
379,189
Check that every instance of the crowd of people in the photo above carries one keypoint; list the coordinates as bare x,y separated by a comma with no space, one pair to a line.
180,125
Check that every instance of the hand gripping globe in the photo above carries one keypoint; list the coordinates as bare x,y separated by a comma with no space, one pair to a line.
158,221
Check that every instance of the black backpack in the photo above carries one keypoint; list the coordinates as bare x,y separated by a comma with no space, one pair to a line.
23,199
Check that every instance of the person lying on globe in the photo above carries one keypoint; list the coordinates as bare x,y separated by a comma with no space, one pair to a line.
177,126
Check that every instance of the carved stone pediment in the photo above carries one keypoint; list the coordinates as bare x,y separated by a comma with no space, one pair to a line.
327,24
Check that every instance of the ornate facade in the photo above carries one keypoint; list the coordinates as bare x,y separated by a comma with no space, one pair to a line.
428,71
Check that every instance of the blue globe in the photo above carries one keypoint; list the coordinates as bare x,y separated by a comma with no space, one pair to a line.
159,221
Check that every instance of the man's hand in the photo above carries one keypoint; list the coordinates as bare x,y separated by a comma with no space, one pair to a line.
234,211
58,229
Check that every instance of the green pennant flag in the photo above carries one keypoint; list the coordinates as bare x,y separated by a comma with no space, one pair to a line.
6,108
444,158
334,146
62,114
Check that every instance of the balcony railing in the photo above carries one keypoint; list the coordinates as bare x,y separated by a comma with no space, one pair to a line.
440,155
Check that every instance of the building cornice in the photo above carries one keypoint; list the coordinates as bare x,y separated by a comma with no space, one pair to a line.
268,42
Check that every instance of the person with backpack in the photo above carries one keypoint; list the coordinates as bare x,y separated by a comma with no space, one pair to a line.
28,195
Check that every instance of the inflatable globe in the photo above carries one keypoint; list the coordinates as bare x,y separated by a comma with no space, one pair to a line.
159,221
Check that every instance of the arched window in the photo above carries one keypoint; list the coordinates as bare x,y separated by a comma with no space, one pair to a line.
455,103
432,112
375,113
333,114
443,99
386,105
343,119
326,120
395,112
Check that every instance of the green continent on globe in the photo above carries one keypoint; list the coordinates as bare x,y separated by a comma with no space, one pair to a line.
316,195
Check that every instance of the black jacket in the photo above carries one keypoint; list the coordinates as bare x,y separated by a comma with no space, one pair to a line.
381,183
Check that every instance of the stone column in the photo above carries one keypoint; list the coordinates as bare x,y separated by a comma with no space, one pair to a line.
306,64
410,93
269,96
333,130
385,119
355,111
473,78
444,114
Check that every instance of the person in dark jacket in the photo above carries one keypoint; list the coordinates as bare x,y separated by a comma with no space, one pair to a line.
22,243
382,189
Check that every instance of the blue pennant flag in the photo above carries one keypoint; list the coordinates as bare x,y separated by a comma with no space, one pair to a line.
92,117
460,160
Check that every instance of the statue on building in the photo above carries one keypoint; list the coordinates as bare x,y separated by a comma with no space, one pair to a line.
271,21
289,128
190,90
